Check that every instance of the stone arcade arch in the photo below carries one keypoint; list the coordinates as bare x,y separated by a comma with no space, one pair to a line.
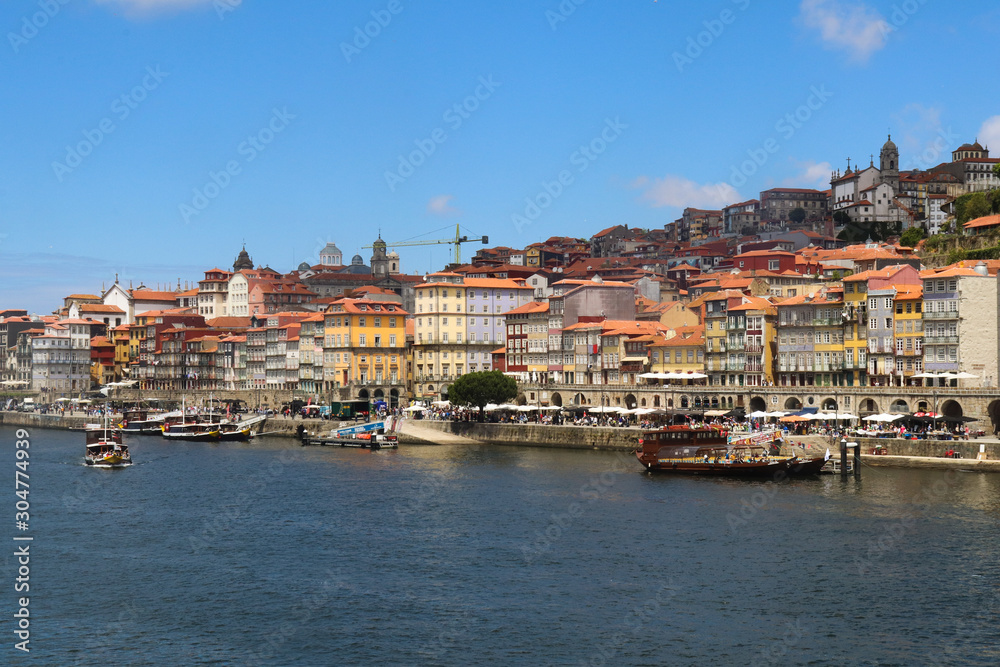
363,395
828,405
393,398
899,406
630,401
792,403
579,399
758,404
444,391
994,413
868,406
952,408
556,399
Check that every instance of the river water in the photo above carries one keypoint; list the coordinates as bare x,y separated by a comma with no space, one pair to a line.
273,554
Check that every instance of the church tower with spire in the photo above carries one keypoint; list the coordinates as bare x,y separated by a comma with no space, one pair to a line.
243,260
889,165
380,261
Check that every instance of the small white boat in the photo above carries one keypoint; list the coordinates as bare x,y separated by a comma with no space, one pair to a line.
105,448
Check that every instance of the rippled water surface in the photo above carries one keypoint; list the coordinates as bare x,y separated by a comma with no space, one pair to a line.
274,554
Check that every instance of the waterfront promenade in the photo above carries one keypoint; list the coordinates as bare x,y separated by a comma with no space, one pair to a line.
900,452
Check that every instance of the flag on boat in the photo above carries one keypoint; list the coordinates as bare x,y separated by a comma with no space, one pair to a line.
827,457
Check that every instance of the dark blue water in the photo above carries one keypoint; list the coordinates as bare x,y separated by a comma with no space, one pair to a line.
274,554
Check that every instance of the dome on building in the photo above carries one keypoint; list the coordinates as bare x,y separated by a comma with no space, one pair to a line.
243,260
889,145
331,249
393,255
304,266
357,260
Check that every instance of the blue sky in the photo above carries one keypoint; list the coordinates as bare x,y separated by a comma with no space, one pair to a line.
150,138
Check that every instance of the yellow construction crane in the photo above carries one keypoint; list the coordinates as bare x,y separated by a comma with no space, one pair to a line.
457,241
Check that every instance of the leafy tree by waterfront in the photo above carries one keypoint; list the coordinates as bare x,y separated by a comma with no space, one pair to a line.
797,215
482,387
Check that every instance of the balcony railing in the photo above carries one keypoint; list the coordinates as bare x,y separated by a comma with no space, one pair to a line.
947,315
940,340
754,349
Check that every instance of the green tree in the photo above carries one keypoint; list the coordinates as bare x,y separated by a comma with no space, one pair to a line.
977,207
797,215
996,170
478,389
911,237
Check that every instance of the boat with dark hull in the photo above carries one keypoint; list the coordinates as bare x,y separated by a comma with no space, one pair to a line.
707,451
140,421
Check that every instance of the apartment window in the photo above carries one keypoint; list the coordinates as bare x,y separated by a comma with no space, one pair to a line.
444,337
378,340
444,321
899,308
872,323
872,304
899,345
392,340
888,323
378,321
952,285
888,304
362,340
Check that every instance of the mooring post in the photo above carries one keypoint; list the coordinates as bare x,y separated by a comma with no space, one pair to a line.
843,456
857,459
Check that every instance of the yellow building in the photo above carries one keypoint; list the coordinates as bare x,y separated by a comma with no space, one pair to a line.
121,338
909,338
713,308
683,352
856,329
365,346
752,332
439,348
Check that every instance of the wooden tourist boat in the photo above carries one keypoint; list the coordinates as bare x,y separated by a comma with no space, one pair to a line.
707,451
105,448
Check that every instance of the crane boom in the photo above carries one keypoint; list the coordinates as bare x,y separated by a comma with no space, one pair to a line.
457,242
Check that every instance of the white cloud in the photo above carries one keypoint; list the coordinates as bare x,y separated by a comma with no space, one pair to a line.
846,25
441,205
680,192
989,135
811,175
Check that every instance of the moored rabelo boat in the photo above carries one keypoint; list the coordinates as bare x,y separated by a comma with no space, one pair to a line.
706,451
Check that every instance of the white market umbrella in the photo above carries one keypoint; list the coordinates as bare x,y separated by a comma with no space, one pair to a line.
758,414
965,376
441,404
415,408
